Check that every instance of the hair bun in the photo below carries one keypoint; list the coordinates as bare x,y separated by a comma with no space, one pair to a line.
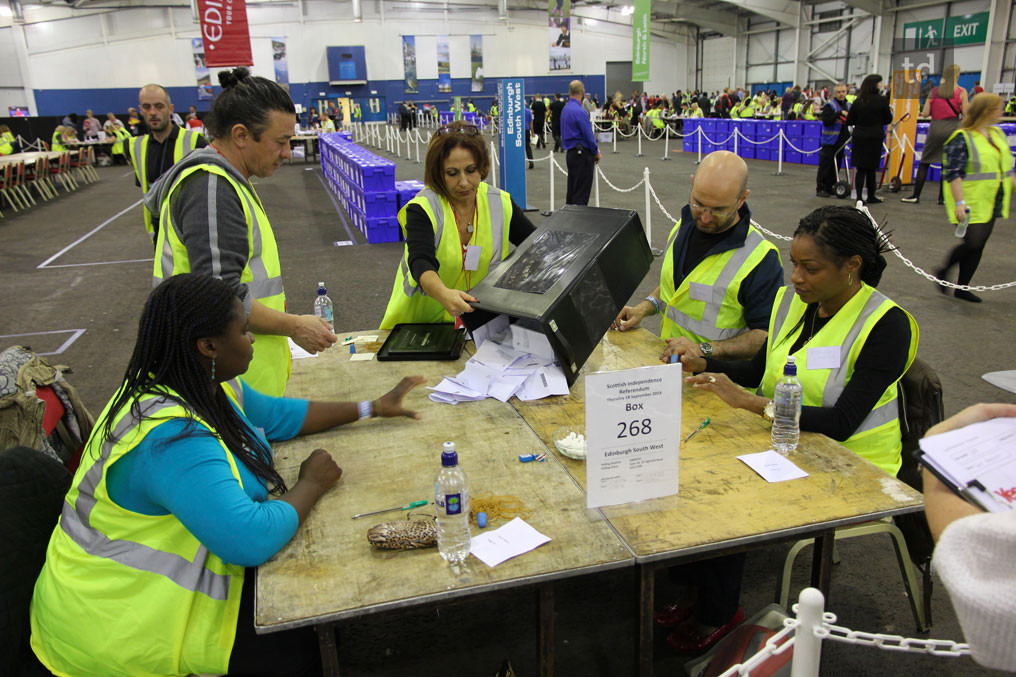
233,77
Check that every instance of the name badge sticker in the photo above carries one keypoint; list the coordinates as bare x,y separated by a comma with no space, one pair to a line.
824,357
472,261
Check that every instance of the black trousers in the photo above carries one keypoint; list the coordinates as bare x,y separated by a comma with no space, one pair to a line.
557,141
719,586
968,253
828,162
538,127
581,165
290,653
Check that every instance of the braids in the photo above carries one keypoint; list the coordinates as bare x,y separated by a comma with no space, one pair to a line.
246,100
181,310
844,232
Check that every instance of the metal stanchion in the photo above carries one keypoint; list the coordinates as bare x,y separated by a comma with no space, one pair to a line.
416,143
550,163
639,128
398,143
615,138
649,213
666,142
736,135
701,134
779,162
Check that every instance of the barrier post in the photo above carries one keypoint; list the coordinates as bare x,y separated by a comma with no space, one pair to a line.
736,135
398,143
700,135
409,151
807,646
666,142
779,159
416,143
614,140
649,213
596,185
550,164
640,140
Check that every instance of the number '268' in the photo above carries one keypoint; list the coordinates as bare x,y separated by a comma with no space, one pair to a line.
635,428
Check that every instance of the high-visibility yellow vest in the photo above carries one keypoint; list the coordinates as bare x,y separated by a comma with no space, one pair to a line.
186,141
57,144
262,273
810,115
878,438
123,135
654,116
705,306
695,113
747,109
6,143
127,594
797,110
987,166
408,302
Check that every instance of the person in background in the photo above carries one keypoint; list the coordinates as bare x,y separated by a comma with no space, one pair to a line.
193,123
868,116
70,121
165,144
977,87
115,130
973,556
60,136
834,138
944,105
8,144
212,220
325,123
177,499
529,135
134,124
579,143
91,126
978,167
112,118
555,109
442,263
539,120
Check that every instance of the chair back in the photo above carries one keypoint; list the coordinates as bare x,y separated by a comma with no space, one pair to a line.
17,173
5,175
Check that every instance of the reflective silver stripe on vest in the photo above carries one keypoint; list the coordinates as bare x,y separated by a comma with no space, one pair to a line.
190,575
496,208
837,380
706,327
139,162
975,162
890,411
190,140
237,388
782,311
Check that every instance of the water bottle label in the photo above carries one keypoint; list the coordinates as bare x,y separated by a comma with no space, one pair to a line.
453,504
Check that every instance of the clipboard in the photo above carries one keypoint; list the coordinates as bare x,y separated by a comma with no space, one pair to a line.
416,341
974,492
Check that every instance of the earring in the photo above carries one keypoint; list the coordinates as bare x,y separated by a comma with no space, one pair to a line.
213,368
850,281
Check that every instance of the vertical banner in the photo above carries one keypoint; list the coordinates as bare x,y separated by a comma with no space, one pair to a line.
559,20
512,140
640,41
409,63
225,32
476,63
906,98
444,65
281,62
201,72
457,107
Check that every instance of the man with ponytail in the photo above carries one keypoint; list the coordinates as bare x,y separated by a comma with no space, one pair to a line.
212,220
150,568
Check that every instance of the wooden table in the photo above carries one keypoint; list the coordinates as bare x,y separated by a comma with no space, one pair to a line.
722,505
30,157
309,141
329,573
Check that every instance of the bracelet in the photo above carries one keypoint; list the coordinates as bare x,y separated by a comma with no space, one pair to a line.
960,202
365,409
656,303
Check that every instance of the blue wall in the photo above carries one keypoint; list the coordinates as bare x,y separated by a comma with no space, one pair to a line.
59,102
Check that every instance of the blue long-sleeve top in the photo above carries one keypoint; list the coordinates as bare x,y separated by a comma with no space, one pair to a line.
191,479
576,129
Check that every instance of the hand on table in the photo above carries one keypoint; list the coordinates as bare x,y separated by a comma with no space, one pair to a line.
320,470
974,414
687,351
628,318
456,302
390,404
312,333
722,387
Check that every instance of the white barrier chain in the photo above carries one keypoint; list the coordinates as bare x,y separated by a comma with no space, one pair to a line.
772,647
756,143
619,190
769,232
560,168
659,204
541,159
934,647
803,152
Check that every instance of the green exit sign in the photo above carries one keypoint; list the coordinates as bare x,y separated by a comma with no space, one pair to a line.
969,29
923,35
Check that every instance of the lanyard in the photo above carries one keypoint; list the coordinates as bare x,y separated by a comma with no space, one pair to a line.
472,237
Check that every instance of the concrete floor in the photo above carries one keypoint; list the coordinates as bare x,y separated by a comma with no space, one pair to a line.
83,262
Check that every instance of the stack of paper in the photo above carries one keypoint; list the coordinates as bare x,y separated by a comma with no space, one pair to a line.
977,461
512,361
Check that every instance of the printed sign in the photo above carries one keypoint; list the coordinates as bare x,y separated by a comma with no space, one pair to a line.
201,72
409,63
281,62
225,32
476,63
559,22
640,41
444,65
512,128
922,34
969,29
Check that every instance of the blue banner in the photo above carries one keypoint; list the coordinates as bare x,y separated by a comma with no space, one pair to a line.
512,139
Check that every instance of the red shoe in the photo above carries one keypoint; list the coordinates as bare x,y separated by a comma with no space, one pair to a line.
672,614
685,639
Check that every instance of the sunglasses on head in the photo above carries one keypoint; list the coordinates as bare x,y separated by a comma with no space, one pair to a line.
465,130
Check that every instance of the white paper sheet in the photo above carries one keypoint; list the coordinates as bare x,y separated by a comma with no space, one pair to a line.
528,341
543,382
511,540
361,357
298,353
772,466
491,330
495,355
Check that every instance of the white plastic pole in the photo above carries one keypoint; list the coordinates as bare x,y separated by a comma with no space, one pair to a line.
701,135
649,213
779,163
640,139
596,185
550,163
416,142
615,138
736,135
398,143
409,151
808,647
391,142
666,142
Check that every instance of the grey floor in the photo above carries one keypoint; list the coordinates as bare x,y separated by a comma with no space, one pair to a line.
79,262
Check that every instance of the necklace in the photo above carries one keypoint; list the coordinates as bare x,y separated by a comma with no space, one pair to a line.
811,332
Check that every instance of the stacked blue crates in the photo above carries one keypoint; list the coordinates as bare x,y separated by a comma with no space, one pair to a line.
407,190
690,143
708,126
364,184
812,141
748,130
765,132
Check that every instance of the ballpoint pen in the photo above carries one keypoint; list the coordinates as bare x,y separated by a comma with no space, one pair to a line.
701,427
414,504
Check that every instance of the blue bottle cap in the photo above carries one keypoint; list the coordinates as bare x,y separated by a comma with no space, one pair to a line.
481,519
449,459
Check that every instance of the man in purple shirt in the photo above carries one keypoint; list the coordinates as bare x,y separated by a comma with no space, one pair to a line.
579,144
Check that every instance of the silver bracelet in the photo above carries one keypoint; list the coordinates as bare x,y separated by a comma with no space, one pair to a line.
365,409
656,303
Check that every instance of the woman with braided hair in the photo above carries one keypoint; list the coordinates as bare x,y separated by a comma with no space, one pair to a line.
169,509
852,345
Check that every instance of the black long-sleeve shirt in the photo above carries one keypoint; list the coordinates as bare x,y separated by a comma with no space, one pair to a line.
881,361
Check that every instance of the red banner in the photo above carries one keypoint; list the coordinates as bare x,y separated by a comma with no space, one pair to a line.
225,33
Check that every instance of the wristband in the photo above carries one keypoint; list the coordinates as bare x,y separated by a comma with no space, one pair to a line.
656,303
365,409
960,202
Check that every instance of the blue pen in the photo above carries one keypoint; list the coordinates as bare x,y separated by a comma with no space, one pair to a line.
352,348
673,359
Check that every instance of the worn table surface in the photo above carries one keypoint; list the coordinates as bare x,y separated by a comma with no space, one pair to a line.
722,503
329,571
31,156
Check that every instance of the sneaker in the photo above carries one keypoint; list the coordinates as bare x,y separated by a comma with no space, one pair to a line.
967,296
823,193
874,201
673,614
911,199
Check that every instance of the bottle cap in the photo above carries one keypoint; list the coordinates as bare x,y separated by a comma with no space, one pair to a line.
481,519
790,369
449,457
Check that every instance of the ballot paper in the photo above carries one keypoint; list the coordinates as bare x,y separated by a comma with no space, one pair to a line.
772,466
533,342
511,540
491,329
298,353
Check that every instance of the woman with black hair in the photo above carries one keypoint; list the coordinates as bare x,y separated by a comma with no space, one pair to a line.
216,224
149,569
868,115
852,345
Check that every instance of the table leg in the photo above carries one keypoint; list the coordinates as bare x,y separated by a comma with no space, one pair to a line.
329,649
647,593
822,562
546,613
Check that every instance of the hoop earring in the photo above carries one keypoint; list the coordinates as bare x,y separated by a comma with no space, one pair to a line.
213,368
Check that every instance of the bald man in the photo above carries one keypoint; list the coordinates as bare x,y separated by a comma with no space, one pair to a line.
163,146
719,275
580,147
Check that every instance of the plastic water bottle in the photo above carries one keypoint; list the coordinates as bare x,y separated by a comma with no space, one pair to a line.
961,227
323,304
452,499
787,401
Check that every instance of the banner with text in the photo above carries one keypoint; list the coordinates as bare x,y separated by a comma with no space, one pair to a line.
640,41
409,63
225,32
281,62
512,140
201,72
476,63
559,19
444,65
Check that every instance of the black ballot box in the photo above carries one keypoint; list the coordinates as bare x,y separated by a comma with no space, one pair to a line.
568,280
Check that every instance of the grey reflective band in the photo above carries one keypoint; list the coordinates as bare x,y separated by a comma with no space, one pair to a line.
975,163
837,380
190,140
213,225
75,522
139,161
879,416
706,327
237,388
496,209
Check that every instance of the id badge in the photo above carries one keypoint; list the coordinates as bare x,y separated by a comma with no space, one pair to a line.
472,260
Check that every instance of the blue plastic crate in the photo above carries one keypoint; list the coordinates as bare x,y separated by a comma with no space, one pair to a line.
811,159
382,230
763,154
812,128
709,125
380,204
407,190
792,156
810,143
747,151
690,144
